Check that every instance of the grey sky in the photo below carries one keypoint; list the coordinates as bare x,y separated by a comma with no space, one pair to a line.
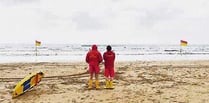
104,21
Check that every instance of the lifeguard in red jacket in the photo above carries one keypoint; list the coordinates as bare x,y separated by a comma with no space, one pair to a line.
109,73
94,58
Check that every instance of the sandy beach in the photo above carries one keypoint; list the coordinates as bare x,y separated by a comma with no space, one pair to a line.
135,82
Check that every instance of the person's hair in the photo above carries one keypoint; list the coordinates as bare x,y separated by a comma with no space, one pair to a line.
109,48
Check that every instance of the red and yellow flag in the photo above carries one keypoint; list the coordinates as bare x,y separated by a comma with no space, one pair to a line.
183,43
38,43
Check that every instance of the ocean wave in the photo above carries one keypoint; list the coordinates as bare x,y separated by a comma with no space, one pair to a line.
78,52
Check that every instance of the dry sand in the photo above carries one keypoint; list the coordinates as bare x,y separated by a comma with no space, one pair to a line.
135,82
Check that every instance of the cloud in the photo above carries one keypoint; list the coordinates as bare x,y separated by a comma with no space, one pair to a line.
102,21
84,21
17,2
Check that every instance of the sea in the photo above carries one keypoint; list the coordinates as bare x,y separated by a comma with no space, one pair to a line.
13,53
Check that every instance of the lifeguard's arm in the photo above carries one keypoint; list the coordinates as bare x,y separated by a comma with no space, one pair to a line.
100,58
104,56
87,58
113,56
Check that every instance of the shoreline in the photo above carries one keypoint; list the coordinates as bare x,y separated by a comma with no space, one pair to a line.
136,81
117,63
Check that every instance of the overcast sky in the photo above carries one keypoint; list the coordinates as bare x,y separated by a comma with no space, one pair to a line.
104,21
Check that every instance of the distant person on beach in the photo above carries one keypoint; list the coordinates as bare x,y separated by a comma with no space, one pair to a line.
94,58
109,73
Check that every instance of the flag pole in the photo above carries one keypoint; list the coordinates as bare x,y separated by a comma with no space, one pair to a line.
180,48
36,51
182,43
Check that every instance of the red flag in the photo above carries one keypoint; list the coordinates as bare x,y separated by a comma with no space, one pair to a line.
183,43
38,43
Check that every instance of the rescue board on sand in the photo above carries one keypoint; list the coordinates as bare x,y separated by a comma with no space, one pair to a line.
27,83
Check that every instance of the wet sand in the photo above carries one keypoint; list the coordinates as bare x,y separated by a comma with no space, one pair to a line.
135,82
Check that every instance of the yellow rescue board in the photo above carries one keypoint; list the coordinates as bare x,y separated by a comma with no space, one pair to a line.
27,83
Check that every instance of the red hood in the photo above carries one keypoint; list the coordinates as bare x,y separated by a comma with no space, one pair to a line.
94,47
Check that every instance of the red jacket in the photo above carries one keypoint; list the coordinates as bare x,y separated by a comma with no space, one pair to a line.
94,57
109,58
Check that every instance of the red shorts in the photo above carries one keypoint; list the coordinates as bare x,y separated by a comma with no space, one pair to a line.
109,72
94,69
